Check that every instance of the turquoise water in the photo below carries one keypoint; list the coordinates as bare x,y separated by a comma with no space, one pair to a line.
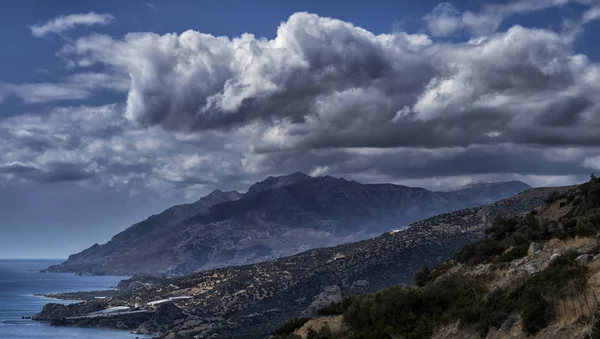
18,284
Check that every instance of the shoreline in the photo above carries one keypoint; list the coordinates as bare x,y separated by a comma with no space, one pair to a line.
57,314
80,295
92,309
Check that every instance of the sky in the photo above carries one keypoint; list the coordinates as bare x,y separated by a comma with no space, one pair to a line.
113,111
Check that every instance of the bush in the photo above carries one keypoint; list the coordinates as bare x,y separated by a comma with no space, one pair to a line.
480,252
536,311
337,308
422,277
552,197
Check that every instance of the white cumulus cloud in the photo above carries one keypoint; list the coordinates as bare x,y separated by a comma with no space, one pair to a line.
65,23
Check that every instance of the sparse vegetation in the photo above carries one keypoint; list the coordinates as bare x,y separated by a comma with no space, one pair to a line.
436,299
414,313
289,327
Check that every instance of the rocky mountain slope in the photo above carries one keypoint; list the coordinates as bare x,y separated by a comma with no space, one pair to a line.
533,276
252,300
277,217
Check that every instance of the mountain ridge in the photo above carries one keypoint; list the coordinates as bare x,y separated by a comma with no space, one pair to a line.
277,217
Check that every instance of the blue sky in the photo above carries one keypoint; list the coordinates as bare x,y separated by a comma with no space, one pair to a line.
112,111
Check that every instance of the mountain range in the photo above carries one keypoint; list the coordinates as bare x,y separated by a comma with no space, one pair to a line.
277,217
250,301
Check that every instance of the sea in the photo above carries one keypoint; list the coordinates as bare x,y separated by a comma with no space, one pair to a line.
20,280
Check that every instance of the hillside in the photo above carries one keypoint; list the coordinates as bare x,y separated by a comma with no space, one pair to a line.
250,301
277,217
532,276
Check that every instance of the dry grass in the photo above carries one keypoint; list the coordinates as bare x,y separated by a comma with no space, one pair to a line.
335,324
572,243
575,308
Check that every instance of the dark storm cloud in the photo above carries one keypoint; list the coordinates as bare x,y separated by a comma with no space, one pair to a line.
565,113
16,168
323,97
56,173
420,163
332,84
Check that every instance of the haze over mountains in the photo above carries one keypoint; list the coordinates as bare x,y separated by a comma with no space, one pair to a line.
277,217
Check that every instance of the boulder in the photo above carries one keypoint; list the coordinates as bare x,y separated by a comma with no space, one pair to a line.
360,284
534,247
331,294
584,259
530,269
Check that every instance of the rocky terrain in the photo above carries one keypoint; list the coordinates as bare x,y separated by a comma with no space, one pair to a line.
277,217
252,300
533,276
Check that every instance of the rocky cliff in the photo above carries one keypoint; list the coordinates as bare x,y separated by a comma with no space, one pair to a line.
277,217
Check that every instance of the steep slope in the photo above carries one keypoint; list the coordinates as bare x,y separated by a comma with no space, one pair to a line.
153,227
277,217
533,276
250,301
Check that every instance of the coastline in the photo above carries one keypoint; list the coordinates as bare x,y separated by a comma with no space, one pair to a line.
80,295
72,309
98,309
26,291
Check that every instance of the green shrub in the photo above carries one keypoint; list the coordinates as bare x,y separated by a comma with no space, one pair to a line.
480,252
337,308
536,311
422,277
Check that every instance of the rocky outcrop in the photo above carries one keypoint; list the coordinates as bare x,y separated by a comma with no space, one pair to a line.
534,247
277,217
331,294
53,311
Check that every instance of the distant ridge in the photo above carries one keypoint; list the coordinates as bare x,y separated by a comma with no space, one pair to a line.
276,217
481,184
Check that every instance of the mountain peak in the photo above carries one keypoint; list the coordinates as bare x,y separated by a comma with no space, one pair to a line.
217,196
277,182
